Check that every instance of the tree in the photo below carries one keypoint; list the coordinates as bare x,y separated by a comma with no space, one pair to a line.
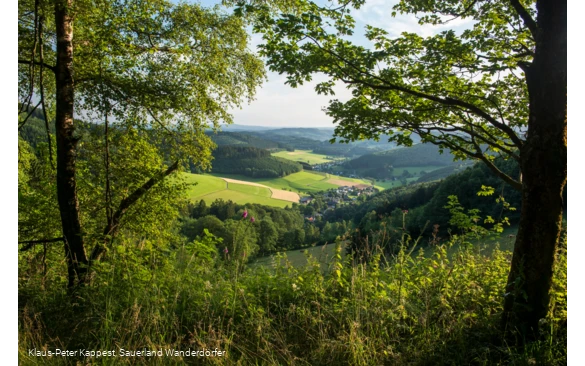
267,236
192,228
168,70
495,89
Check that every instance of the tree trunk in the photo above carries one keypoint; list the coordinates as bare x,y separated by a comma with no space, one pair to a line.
544,174
66,144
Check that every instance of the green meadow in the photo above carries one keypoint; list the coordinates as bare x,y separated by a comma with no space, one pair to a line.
301,182
305,156
210,188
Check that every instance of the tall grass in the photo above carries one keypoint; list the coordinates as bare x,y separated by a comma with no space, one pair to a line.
436,309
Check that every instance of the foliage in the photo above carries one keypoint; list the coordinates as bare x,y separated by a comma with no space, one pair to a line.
463,91
439,309
38,216
150,78
223,138
252,162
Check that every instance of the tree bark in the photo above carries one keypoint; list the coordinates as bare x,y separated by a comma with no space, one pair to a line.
544,172
66,145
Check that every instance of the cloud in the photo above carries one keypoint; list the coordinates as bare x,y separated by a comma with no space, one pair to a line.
280,105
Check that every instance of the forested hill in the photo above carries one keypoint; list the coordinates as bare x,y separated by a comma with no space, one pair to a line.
317,134
425,202
251,162
223,138
381,164
422,205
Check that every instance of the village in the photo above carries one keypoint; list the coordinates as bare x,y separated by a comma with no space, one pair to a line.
317,205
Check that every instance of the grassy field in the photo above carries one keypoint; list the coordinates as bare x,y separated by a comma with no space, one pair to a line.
243,198
388,184
301,182
206,184
298,257
306,156
251,190
325,253
210,188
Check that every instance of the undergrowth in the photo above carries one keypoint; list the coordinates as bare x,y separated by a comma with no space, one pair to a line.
409,309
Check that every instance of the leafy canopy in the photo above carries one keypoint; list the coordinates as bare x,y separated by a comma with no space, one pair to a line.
465,91
173,69
150,76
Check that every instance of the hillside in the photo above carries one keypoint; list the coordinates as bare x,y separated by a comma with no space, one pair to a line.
223,138
302,142
396,162
311,133
251,162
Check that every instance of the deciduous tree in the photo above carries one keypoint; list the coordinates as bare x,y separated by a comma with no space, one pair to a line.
497,88
168,70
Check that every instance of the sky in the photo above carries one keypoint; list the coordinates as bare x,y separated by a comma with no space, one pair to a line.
279,105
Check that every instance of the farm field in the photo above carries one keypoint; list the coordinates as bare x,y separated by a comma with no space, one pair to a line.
305,156
301,182
210,188
278,192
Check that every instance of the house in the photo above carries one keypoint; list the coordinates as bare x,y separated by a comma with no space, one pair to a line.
333,202
306,200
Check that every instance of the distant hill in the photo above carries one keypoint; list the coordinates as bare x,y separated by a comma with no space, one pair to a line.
223,138
242,128
301,138
383,164
294,141
310,133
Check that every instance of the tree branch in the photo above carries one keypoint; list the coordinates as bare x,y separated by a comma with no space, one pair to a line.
28,116
36,63
445,101
112,227
32,243
505,177
459,15
42,92
528,21
478,154
33,57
